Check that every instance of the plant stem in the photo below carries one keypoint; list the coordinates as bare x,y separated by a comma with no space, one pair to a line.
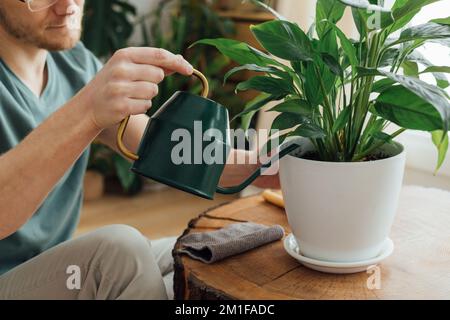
378,145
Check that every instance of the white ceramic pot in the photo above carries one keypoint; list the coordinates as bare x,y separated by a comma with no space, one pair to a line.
342,212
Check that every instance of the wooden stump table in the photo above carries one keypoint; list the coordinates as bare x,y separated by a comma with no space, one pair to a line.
419,268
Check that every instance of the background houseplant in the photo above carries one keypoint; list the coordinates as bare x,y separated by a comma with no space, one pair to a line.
173,25
342,95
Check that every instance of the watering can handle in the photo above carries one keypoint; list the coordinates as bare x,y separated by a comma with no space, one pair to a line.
285,149
123,125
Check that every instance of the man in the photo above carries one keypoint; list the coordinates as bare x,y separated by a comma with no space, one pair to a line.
55,99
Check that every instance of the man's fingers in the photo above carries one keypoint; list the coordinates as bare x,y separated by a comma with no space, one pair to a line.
143,90
143,72
137,106
158,57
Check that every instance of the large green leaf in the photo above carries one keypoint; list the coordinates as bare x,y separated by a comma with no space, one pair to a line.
410,111
287,121
328,10
334,65
308,130
405,10
252,67
424,31
237,51
440,140
389,57
251,108
342,119
442,21
296,106
270,85
257,104
440,69
441,79
427,92
410,69
382,84
284,39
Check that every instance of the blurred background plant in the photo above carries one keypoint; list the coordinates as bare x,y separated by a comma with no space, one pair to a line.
173,25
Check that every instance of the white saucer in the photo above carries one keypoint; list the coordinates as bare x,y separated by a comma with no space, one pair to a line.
290,245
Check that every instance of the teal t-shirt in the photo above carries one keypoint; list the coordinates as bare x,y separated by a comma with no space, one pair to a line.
21,112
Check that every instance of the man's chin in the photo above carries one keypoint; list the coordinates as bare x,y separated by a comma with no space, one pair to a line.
65,43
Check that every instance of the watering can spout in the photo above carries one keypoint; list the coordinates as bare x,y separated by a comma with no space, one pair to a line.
285,149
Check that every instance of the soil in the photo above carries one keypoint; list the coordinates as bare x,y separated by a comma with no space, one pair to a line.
373,157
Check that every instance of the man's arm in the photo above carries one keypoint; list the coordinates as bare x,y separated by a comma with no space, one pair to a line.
124,86
133,134
30,171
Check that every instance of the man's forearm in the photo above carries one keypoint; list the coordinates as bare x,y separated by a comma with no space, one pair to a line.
132,137
29,171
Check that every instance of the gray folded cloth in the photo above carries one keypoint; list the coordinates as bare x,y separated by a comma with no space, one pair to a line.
236,238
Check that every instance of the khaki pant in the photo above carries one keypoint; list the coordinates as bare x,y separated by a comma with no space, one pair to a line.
114,262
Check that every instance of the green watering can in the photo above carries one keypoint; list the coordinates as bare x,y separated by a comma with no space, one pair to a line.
155,158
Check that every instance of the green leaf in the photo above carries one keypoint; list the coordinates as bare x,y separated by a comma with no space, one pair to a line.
442,21
440,140
273,143
309,130
257,104
252,67
333,64
342,119
424,31
329,10
284,39
410,69
348,48
383,84
237,51
313,91
368,72
443,69
287,121
441,79
296,106
270,85
389,57
405,10
379,135
410,112
427,92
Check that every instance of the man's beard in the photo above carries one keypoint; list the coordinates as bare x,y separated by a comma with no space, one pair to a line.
27,34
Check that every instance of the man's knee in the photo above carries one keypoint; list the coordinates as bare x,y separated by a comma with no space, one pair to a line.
124,258
122,241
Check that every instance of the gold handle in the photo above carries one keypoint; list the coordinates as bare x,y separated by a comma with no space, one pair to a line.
123,125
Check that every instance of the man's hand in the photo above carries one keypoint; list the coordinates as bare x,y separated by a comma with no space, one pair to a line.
128,82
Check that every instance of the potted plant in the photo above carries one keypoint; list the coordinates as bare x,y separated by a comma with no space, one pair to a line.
341,187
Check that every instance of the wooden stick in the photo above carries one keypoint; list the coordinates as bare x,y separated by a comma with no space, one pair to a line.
273,197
